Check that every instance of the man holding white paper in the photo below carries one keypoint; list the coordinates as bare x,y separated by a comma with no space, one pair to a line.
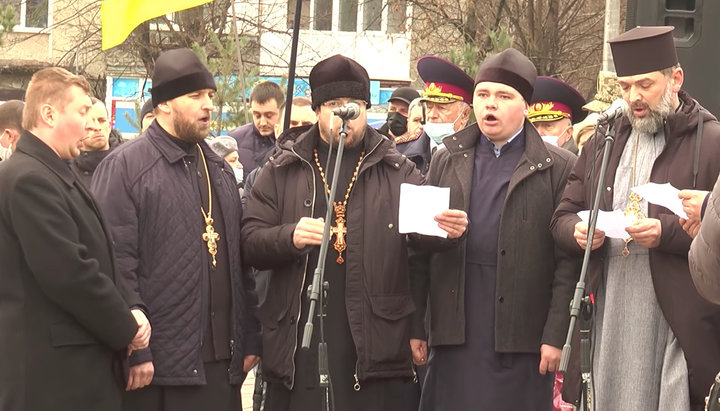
656,341
498,296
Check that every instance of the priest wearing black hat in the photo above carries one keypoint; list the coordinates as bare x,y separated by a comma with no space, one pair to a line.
499,296
369,304
174,211
554,108
656,341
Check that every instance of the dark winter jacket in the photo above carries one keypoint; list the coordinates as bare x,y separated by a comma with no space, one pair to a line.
85,164
694,321
145,189
253,148
377,290
418,151
535,279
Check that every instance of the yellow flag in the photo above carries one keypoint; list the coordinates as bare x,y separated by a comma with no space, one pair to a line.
120,17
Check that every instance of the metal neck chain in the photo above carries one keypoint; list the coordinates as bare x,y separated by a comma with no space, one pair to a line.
352,180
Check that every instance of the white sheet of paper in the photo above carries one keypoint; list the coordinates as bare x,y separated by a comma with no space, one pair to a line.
418,207
663,195
613,223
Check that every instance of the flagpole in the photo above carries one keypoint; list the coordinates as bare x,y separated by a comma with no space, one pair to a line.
293,61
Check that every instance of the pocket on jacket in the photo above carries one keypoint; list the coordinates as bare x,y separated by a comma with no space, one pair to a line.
70,334
389,330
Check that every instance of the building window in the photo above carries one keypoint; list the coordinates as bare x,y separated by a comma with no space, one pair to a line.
397,14
323,15
348,15
29,13
304,14
372,15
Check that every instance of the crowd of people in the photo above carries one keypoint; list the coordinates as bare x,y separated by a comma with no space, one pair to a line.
157,273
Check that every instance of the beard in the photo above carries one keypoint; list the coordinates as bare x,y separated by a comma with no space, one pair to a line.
354,137
655,117
189,131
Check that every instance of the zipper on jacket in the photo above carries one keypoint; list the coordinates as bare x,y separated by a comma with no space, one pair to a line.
356,387
307,260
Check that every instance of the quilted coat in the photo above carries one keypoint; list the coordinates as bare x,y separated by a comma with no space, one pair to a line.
160,260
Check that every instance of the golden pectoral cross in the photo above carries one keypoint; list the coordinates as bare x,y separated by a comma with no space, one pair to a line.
211,238
339,231
633,209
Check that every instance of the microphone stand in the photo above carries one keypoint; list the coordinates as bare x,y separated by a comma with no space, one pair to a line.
582,305
315,292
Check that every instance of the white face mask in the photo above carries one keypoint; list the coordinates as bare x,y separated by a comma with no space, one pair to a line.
554,139
238,175
551,139
438,131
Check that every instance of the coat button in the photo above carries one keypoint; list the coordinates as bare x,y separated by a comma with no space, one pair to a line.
501,299
292,319
539,165
502,252
608,188
532,168
465,155
454,138
452,291
397,165
194,371
390,226
307,202
547,159
460,146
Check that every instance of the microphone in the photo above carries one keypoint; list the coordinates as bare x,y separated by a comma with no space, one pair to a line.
615,111
349,111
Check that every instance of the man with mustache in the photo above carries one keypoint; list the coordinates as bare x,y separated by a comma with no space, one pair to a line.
257,139
174,212
95,146
656,340
369,304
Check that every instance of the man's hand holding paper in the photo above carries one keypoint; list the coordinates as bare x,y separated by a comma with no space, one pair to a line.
425,210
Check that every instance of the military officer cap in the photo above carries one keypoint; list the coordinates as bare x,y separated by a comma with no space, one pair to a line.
554,99
643,50
509,67
444,81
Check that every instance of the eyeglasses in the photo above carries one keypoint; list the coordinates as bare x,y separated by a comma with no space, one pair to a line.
339,102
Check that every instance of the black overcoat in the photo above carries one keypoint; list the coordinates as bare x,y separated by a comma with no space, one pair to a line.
61,319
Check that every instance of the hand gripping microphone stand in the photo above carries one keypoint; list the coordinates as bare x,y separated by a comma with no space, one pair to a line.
319,286
582,306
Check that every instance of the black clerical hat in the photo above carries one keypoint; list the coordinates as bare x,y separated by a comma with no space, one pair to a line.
178,72
643,50
509,67
339,77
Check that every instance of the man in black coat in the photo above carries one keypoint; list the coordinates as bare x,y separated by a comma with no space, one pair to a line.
369,303
62,322
174,211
